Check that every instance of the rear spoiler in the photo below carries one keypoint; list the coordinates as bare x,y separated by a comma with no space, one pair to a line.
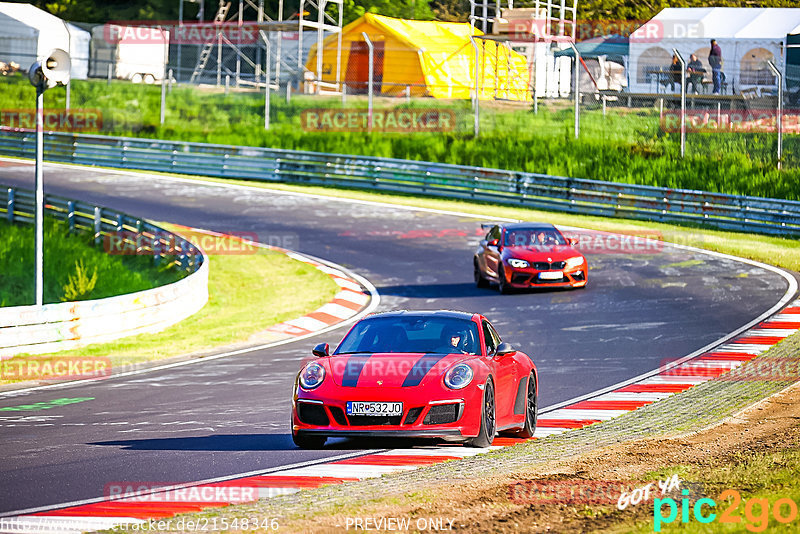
488,225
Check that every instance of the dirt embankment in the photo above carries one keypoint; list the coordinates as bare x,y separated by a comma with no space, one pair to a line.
490,505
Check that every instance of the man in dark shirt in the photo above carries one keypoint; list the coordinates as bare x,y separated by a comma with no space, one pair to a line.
715,60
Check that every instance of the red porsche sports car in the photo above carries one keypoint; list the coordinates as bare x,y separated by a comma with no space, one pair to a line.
425,374
527,254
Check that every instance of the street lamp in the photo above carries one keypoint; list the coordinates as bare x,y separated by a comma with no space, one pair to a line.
44,74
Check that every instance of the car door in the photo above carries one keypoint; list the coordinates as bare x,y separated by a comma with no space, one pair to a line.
491,251
504,377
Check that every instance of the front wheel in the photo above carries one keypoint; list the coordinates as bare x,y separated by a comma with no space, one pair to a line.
502,284
309,441
531,409
480,281
488,424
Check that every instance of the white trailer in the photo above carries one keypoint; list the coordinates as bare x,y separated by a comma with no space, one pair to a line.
135,53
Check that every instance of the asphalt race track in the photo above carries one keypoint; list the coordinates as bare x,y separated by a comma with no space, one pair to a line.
231,415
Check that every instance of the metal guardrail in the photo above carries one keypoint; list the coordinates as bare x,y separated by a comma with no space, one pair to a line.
572,195
65,325
128,235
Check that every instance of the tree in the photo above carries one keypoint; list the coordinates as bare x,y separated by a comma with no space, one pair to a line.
451,10
404,9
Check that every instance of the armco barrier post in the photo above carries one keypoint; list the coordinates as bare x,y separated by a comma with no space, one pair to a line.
71,215
10,206
98,219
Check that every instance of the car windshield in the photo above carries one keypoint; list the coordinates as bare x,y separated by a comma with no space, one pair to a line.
527,237
427,334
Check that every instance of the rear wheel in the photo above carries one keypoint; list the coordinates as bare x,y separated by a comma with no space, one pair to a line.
488,423
531,409
480,281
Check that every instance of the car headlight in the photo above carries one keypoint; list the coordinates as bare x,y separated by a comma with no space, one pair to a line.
574,262
519,264
459,376
312,375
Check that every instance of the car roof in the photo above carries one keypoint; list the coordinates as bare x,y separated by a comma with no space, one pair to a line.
452,314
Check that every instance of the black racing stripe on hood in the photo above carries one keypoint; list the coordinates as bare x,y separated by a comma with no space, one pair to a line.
352,370
421,368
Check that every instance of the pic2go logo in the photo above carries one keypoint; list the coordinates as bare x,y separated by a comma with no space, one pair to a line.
756,511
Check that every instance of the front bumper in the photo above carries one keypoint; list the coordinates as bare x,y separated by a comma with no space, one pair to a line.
529,277
452,416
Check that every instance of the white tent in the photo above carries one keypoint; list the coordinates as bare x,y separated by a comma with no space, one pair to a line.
748,38
27,33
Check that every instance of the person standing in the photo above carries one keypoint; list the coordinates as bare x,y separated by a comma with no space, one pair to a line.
675,73
715,60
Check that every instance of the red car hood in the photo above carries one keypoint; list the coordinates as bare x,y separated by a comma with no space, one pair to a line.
393,369
541,253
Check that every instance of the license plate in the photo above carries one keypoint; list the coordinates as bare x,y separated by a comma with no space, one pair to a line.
374,408
550,275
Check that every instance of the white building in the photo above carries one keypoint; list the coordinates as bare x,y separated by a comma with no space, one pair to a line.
748,37
28,33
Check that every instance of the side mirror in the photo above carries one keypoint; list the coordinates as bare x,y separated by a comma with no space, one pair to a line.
321,350
505,348
572,241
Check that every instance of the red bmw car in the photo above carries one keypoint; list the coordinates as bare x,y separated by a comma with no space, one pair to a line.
525,255
423,374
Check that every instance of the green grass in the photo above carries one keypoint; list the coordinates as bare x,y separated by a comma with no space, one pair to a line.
627,145
64,253
247,294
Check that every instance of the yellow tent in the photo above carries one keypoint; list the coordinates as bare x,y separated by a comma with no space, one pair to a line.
424,57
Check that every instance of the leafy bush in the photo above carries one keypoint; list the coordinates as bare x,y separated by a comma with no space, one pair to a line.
81,284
